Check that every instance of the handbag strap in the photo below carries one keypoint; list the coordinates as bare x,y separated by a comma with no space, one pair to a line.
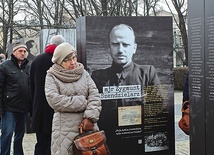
82,132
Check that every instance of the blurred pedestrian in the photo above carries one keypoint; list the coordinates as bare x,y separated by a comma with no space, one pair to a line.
2,57
186,88
14,99
42,113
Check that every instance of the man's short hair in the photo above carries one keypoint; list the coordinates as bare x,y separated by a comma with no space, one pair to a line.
122,26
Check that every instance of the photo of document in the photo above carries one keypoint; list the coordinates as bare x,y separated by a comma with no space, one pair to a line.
129,115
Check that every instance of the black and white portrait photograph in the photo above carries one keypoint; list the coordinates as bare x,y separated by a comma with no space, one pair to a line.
130,60
33,48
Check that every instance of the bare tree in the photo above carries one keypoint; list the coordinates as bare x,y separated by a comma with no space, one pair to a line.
41,14
150,7
181,9
5,25
6,19
112,7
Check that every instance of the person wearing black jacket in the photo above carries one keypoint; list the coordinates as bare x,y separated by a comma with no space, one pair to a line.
186,88
42,113
14,99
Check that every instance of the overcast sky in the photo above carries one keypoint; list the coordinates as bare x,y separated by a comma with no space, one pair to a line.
163,3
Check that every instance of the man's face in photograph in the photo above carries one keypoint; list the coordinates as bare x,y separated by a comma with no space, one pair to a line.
122,45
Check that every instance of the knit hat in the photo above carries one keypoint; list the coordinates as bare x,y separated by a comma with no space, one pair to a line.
61,51
18,45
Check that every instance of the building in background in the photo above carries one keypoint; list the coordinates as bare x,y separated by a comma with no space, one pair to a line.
178,50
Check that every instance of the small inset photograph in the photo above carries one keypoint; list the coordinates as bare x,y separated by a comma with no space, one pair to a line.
156,142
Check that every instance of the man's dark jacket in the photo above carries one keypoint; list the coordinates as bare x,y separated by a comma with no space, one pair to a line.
132,74
42,113
14,86
186,88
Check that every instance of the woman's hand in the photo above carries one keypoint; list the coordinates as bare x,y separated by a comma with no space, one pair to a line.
87,124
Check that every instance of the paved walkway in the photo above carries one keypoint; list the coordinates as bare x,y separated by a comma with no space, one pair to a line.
181,140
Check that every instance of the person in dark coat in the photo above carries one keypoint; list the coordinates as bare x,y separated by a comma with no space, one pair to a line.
186,88
14,99
42,113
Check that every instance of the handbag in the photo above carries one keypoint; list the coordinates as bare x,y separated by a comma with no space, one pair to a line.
90,143
184,122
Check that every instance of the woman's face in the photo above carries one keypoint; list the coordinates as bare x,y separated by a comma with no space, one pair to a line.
70,63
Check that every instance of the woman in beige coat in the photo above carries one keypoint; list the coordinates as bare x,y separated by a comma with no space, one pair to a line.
73,95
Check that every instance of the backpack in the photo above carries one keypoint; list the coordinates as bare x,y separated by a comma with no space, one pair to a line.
184,122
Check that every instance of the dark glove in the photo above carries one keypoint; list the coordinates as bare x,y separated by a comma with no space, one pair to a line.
87,124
